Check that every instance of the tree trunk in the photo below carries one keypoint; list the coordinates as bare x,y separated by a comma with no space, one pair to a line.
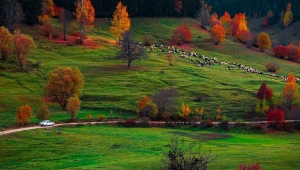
129,61
3,56
20,63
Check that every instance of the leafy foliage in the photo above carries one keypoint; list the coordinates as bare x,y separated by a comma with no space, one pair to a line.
43,113
148,40
5,43
281,51
218,33
275,118
225,22
272,67
85,17
181,34
255,166
73,106
290,92
288,16
294,54
64,83
47,11
23,114
264,92
120,22
146,108
263,41
23,45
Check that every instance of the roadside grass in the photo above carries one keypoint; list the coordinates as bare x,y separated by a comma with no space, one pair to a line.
112,147
110,85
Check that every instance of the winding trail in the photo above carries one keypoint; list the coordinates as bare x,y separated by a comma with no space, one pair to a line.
152,123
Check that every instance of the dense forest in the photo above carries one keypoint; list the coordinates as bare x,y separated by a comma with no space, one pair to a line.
165,8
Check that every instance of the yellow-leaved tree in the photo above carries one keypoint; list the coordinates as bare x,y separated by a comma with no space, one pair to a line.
47,11
85,17
290,92
263,41
288,16
120,22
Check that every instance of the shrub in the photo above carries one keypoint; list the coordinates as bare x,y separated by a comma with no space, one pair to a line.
281,51
47,30
224,125
148,40
88,117
275,118
183,157
255,166
43,113
207,123
100,118
181,35
73,106
23,114
130,123
272,67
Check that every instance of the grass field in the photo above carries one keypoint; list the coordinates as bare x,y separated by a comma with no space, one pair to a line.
110,85
106,147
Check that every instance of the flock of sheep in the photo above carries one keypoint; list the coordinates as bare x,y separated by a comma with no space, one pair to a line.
202,61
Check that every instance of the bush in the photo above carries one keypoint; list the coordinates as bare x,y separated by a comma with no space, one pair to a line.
275,118
43,113
255,166
207,123
88,117
148,40
130,123
224,125
182,157
272,67
49,31
181,35
23,114
100,118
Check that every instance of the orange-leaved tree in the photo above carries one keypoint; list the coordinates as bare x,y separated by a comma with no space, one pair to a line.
294,54
263,41
85,17
290,92
43,113
225,21
214,19
178,6
23,114
23,45
185,111
120,22
5,43
147,108
182,34
238,23
73,106
288,16
218,33
47,11
64,83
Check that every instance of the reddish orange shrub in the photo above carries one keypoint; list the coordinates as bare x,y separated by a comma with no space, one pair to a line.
281,51
275,118
218,34
182,34
255,166
23,114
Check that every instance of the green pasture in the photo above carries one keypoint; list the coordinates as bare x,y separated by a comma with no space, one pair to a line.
113,147
110,85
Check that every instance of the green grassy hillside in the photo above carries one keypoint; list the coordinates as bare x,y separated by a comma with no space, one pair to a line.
110,85
105,147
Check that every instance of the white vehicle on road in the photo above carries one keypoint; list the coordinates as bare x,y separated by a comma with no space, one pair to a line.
46,123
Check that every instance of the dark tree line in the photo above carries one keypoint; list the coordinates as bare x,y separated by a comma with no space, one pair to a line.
165,8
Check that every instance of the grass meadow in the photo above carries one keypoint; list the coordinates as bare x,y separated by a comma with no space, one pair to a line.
110,85
113,147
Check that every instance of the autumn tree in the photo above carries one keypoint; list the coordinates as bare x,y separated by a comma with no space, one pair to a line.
264,95
171,59
290,92
23,45
275,118
268,19
294,54
64,83
225,22
281,51
43,113
131,50
85,17
23,114
181,34
73,106
120,22
263,41
47,11
5,43
178,6
214,19
288,16
218,34
146,108
185,111
64,18
204,15
12,14
238,23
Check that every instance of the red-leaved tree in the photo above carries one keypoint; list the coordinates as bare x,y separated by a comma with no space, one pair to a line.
264,92
275,118
182,34
281,51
